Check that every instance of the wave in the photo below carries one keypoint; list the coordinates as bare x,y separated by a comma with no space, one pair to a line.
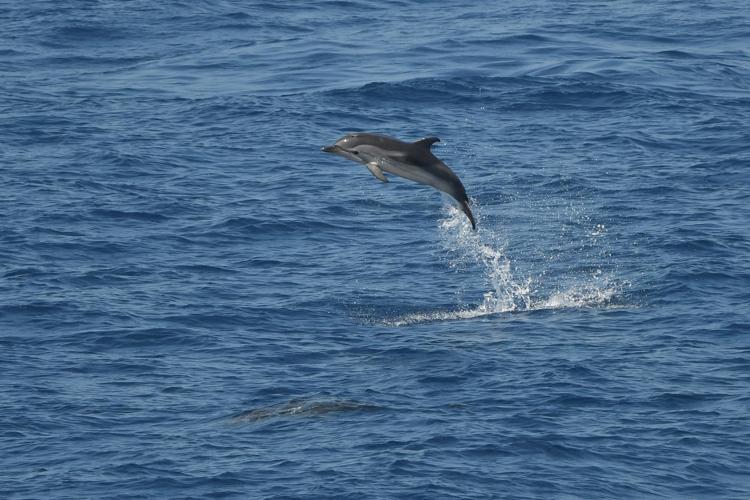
556,88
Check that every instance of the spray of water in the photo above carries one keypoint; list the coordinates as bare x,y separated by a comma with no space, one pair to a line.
505,292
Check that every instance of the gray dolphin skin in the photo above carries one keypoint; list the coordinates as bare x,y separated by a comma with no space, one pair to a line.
410,160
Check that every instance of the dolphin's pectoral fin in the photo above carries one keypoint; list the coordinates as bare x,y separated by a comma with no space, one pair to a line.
376,171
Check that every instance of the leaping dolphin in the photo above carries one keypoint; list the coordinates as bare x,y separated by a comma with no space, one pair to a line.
411,160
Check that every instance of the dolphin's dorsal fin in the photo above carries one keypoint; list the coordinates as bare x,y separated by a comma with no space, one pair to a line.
426,142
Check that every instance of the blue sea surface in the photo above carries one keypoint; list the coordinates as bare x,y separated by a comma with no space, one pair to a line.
196,302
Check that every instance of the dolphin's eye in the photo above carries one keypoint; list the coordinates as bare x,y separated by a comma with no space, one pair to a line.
355,151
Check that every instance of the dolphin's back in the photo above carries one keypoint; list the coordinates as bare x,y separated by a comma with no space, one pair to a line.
415,161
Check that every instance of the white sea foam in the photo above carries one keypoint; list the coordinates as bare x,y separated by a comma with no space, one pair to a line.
506,292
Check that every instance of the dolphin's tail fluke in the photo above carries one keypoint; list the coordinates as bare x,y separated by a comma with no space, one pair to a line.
467,211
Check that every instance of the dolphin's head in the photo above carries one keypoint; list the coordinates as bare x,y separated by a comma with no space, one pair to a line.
347,147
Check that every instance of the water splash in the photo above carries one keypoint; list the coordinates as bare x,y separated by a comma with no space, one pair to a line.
506,292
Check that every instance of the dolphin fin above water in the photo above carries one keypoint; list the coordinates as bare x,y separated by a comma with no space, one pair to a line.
410,160
427,142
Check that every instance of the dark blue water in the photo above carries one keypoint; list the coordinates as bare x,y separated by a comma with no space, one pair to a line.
195,302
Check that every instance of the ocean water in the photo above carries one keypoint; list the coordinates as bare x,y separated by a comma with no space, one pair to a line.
195,302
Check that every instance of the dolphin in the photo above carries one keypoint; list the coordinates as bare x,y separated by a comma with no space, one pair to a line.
411,160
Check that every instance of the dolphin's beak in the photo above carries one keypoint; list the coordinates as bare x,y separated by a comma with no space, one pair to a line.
330,149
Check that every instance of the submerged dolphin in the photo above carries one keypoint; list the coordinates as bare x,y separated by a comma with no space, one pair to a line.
411,160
